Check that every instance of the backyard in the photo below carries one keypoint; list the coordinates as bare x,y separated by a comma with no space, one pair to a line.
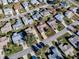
11,49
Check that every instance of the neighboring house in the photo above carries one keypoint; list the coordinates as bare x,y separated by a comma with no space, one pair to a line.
6,28
34,2
8,12
27,21
10,1
74,9
67,49
17,7
52,24
42,29
59,17
15,1
43,1
3,41
4,2
65,4
18,38
69,14
18,24
26,5
74,41
54,53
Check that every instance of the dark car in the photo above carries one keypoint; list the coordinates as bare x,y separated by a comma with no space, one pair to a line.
42,44
39,45
35,48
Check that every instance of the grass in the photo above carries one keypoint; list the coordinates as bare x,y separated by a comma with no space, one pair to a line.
77,27
30,39
68,21
22,10
49,32
62,38
11,49
41,52
60,26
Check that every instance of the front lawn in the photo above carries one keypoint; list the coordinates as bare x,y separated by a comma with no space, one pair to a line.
49,32
68,21
60,26
11,49
30,39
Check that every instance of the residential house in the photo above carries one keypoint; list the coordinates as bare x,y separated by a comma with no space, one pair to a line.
18,24
65,4
69,14
16,1
41,28
17,7
5,2
6,28
18,38
8,12
59,17
67,49
54,53
74,41
34,2
10,1
26,5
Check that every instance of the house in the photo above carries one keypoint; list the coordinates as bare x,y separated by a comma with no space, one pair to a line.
3,41
43,1
4,2
18,37
42,29
6,28
10,1
1,13
74,41
17,7
8,12
67,49
69,14
74,9
26,5
34,2
65,4
18,24
59,17
16,1
54,53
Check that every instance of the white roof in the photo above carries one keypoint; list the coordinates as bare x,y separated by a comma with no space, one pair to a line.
4,2
59,17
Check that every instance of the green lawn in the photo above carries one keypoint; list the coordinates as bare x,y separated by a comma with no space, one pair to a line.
11,49
30,39
41,52
67,21
60,26
62,38
22,10
49,32
77,27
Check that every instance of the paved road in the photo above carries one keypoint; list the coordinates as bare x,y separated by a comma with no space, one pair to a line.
46,41
7,19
